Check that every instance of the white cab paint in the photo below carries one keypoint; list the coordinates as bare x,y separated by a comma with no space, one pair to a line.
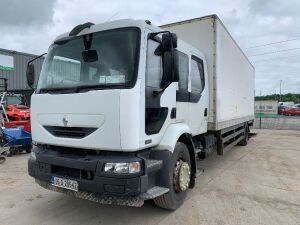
171,136
87,109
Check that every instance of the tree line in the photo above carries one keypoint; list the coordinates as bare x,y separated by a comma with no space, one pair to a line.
290,97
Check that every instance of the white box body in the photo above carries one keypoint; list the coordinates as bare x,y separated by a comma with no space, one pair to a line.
231,75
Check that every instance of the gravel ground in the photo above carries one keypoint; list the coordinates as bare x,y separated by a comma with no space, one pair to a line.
256,184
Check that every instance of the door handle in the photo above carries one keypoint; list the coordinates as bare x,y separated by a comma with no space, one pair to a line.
205,112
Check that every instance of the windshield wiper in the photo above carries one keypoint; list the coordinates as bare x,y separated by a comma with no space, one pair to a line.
47,90
98,87
77,89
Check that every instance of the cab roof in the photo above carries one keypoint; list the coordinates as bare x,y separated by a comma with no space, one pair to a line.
112,25
142,24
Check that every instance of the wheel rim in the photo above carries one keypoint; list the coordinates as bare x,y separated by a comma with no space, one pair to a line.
182,174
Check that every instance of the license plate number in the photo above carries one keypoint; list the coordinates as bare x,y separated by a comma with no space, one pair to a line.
64,183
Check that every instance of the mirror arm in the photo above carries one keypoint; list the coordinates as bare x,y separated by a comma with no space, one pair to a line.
154,34
40,56
32,88
155,92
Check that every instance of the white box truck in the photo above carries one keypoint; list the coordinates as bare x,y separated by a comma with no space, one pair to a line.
123,110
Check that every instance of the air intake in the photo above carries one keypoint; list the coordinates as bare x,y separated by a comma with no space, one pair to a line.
70,132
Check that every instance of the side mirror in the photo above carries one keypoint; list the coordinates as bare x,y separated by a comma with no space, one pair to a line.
30,74
169,41
170,59
170,67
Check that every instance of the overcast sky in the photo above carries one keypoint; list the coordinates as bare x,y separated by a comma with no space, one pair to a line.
31,25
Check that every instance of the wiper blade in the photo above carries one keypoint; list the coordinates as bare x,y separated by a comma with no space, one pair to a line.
98,87
46,90
81,87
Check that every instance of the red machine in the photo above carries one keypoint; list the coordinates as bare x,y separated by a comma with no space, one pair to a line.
25,125
18,112
19,116
15,113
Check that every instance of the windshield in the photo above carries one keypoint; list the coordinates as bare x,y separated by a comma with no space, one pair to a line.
116,67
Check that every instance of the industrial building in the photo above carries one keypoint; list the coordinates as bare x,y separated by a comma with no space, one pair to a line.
266,106
13,66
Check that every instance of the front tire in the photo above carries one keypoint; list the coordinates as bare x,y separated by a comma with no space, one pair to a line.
179,179
28,148
2,159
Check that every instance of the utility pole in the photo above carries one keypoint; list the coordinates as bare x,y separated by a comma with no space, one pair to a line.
280,90
260,110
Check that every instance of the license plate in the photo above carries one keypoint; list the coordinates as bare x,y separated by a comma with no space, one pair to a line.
64,183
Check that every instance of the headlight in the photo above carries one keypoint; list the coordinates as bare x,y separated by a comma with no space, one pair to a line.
32,156
122,167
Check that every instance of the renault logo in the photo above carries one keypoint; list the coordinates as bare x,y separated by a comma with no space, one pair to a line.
65,121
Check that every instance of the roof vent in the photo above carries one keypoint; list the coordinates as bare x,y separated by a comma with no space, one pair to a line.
76,30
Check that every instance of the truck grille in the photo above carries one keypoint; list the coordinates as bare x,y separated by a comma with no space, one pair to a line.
72,172
69,132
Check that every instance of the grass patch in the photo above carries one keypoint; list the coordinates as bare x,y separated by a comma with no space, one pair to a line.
263,115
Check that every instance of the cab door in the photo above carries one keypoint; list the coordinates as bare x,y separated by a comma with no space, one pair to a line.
182,93
198,96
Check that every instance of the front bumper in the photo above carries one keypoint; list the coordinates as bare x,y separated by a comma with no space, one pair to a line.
93,182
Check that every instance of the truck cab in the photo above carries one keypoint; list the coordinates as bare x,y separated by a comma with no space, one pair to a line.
122,89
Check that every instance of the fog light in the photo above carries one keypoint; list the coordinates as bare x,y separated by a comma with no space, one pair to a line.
32,156
122,167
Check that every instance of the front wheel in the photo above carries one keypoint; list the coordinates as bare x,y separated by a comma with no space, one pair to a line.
2,159
28,148
179,179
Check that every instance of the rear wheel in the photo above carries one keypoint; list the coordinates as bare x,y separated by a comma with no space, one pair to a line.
244,142
179,179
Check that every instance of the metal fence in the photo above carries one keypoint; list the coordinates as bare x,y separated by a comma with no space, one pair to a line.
278,122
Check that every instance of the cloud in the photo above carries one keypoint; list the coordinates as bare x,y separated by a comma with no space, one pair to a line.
276,8
26,13
31,26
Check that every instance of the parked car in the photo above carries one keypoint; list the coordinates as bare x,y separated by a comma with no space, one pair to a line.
281,108
283,105
292,111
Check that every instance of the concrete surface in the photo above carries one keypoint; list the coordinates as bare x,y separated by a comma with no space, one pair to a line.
256,184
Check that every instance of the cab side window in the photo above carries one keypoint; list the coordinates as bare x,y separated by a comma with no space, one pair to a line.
183,71
182,94
197,79
154,66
